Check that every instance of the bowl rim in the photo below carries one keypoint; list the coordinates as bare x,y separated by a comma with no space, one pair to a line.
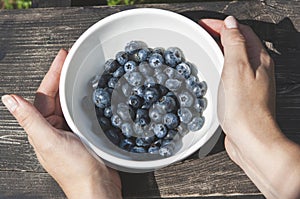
134,164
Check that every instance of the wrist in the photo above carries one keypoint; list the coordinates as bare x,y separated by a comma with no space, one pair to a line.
99,185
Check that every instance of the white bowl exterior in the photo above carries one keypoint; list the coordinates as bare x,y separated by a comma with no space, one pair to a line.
158,28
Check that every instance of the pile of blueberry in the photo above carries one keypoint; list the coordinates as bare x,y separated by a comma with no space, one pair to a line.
147,99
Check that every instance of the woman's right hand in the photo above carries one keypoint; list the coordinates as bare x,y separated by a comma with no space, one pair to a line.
246,111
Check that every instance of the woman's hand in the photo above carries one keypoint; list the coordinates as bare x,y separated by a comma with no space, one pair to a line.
59,151
246,111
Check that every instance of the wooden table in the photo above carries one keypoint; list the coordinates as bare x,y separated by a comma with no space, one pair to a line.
29,40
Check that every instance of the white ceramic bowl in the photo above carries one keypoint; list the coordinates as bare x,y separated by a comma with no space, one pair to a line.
158,28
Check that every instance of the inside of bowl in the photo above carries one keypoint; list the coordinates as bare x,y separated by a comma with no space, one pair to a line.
106,39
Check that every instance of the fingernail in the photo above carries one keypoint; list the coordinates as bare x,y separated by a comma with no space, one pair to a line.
10,102
231,22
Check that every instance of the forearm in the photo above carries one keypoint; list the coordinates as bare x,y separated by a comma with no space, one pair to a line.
94,190
271,160
104,183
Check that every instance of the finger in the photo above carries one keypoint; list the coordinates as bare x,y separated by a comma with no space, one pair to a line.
41,133
235,49
213,26
45,98
256,49
50,83
58,110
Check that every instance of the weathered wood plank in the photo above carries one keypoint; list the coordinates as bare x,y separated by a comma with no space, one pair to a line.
197,177
29,39
25,185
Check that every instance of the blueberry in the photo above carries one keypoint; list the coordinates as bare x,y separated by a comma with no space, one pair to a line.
111,65
130,66
113,82
123,112
139,131
135,79
191,81
184,69
119,72
163,90
126,89
139,90
134,57
149,139
147,105
171,94
104,123
107,112
170,72
144,141
142,117
94,81
151,94
122,57
172,135
133,46
145,69
161,78
126,144
135,101
160,130
104,80
101,98
153,149
159,50
200,104
143,54
157,71
149,82
158,143
173,56
199,89
196,124
167,142
173,84
155,115
171,120
160,108
113,135
185,115
156,60
185,99
203,87
109,90
166,150
138,149
182,129
140,142
127,130
167,103
116,120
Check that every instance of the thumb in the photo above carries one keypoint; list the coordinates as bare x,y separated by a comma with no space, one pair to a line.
234,44
41,134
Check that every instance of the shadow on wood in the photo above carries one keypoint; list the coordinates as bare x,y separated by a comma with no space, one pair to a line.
139,185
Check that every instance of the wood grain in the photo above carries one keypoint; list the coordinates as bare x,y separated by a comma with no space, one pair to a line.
29,40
